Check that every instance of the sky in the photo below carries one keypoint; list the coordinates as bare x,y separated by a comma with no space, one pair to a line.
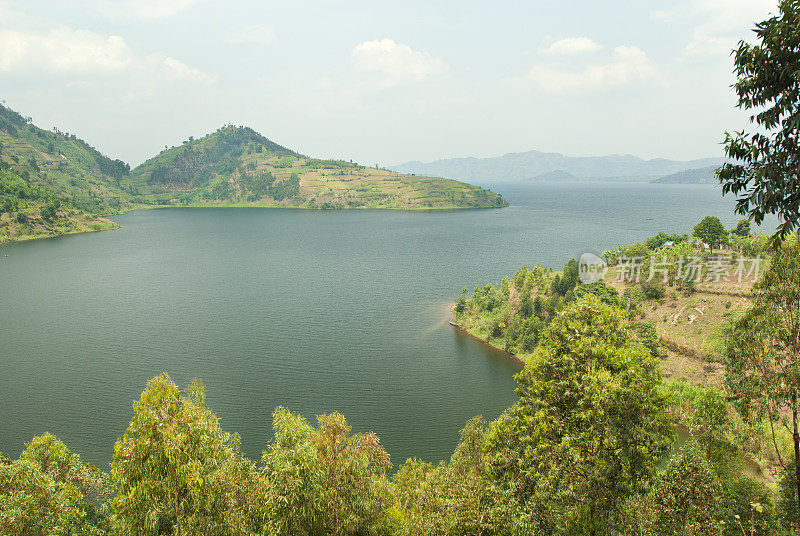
382,82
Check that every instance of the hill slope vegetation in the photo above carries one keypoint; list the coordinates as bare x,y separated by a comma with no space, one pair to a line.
236,165
53,183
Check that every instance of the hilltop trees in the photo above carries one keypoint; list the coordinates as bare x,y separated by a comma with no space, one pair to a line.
48,490
763,171
324,480
711,231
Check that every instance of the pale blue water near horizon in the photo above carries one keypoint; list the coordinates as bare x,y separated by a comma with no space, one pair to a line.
317,311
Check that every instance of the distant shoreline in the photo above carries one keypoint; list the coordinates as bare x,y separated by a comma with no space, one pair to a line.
110,225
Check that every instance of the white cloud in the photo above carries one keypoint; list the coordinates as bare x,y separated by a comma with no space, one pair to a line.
627,65
258,35
63,50
396,61
570,46
143,9
176,69
719,24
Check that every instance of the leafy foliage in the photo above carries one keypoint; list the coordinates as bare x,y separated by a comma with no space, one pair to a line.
591,416
711,231
763,373
763,171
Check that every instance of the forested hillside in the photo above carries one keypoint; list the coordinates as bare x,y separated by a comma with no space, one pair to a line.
54,183
714,310
28,211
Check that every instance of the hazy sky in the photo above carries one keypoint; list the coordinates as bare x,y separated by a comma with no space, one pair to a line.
381,82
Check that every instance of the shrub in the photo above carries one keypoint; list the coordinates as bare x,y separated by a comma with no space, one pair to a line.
653,290
648,336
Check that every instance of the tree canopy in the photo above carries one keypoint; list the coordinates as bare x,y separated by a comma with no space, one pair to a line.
764,167
711,231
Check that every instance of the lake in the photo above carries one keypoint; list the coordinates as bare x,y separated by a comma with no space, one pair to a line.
316,311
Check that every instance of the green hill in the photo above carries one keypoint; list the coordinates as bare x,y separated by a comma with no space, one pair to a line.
54,183
28,211
238,166
63,164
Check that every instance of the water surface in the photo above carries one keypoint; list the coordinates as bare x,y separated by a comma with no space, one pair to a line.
316,311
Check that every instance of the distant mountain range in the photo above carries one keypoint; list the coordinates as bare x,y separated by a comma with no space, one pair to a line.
536,165
704,175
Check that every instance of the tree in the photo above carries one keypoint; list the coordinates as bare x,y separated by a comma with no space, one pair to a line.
763,371
591,417
48,491
176,471
711,231
324,481
50,210
763,171
687,494
477,504
742,229
567,280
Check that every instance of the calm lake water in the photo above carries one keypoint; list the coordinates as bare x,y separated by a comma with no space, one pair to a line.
315,311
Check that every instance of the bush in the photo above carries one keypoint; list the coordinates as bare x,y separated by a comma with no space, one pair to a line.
686,494
751,501
648,336
787,502
653,290
607,295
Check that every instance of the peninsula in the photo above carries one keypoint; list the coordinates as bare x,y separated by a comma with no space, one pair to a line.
53,183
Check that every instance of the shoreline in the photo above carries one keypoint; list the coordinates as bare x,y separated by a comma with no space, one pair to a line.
116,226
452,322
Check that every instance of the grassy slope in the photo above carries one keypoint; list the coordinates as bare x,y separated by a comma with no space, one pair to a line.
237,166
691,328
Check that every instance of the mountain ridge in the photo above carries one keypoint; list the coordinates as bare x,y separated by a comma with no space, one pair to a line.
703,175
529,165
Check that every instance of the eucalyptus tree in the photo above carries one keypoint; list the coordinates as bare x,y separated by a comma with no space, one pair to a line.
50,491
324,480
177,472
